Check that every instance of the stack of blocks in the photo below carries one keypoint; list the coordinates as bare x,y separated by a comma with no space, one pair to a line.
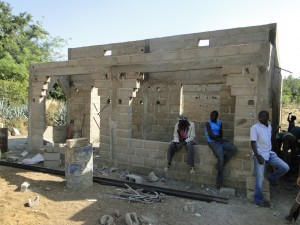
51,156
79,163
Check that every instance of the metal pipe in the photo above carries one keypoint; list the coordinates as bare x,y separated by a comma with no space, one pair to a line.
123,184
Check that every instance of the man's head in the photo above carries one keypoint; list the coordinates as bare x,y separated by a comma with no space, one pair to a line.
214,116
263,117
183,121
183,117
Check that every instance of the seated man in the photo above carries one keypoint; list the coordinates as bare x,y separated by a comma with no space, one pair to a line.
222,149
184,133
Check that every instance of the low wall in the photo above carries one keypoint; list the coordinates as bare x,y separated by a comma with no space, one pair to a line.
143,156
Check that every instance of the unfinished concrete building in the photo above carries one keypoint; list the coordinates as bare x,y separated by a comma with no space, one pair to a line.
126,97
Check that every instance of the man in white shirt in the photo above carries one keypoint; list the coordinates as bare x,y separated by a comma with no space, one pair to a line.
260,136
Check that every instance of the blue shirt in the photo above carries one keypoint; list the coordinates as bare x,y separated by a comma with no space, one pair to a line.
215,129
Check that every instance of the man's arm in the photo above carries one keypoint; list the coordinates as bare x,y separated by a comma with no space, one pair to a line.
211,135
175,134
191,132
259,158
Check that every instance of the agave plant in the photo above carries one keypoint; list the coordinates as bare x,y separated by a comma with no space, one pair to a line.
60,118
10,114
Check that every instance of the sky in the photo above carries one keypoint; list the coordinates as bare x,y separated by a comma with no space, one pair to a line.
97,22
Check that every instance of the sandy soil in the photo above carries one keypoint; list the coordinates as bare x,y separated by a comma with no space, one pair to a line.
61,205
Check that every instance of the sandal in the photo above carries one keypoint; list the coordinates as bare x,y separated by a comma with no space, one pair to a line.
264,204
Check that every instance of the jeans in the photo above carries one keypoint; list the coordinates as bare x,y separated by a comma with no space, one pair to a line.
281,169
173,148
224,151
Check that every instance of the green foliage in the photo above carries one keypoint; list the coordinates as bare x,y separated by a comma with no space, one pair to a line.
13,116
291,90
23,42
57,92
15,91
56,113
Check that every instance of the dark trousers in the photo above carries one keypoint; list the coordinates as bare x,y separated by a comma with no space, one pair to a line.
173,147
224,151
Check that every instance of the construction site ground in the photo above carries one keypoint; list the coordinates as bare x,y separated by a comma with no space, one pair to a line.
61,205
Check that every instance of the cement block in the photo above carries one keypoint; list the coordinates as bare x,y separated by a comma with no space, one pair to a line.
51,156
229,192
51,163
134,178
78,142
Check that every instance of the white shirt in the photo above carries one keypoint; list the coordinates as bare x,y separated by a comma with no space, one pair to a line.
262,136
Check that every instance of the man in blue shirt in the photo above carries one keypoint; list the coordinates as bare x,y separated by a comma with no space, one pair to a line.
222,149
260,136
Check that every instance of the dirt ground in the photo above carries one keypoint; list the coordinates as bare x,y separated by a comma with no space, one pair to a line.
61,205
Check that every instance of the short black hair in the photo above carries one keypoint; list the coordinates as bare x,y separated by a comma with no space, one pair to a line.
214,112
263,112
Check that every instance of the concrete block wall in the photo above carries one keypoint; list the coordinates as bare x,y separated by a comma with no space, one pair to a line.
235,36
57,134
143,156
175,75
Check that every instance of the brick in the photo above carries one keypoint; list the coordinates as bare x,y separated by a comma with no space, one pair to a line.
134,178
51,163
51,156
78,142
244,90
229,192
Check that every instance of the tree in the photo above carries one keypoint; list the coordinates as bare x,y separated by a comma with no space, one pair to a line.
291,90
22,42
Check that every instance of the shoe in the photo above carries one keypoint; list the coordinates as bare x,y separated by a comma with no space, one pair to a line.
287,219
192,171
264,204
166,168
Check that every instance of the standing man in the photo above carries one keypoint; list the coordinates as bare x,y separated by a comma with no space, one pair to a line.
260,136
221,148
184,133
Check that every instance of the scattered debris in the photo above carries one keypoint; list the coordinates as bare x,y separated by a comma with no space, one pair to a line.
113,169
107,220
131,218
15,132
91,200
12,159
34,160
138,196
152,177
134,178
24,186
34,202
23,154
